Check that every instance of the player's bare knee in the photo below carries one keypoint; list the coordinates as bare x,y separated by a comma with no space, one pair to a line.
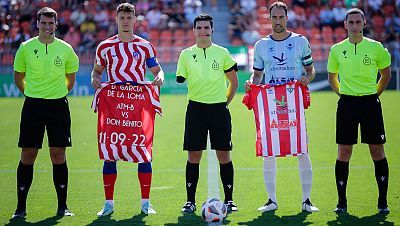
28,156
58,159
194,156
223,157
344,152
57,155
377,151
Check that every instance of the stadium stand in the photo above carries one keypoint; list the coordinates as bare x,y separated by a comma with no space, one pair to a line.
167,24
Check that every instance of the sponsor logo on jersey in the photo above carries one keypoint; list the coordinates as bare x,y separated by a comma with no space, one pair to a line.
280,61
283,124
281,103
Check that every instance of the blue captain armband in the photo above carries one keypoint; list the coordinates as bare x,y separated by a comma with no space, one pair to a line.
151,62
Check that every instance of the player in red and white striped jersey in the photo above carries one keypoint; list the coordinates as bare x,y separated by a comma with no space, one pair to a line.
282,56
125,57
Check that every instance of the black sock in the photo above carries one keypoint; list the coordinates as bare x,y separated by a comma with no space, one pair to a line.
60,179
24,181
342,174
192,177
382,179
226,173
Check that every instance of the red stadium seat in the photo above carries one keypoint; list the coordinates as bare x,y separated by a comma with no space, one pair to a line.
154,34
179,42
340,34
166,35
179,34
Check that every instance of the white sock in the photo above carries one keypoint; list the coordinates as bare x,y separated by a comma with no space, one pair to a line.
305,173
111,202
270,177
143,201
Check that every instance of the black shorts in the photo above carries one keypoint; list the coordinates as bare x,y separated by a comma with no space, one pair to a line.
40,114
363,110
203,118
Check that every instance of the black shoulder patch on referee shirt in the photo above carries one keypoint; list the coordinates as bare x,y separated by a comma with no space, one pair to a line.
234,67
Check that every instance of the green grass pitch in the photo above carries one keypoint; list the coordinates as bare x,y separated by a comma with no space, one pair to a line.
85,197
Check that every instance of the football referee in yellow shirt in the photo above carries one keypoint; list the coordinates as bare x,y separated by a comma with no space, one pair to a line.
207,67
44,72
353,66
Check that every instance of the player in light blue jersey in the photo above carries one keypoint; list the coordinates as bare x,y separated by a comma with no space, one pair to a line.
280,58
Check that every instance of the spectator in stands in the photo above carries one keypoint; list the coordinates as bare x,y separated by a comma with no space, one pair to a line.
88,25
177,16
2,39
153,17
301,18
396,21
214,5
251,35
88,42
312,18
142,7
78,16
73,37
291,23
142,27
249,8
375,5
192,8
163,22
101,17
235,27
301,3
326,16
396,51
339,14
390,24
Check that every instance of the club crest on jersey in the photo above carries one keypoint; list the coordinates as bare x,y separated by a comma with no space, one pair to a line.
215,65
136,55
58,62
290,46
290,89
271,49
367,60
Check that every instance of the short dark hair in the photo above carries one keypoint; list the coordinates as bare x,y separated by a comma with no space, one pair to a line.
126,7
355,11
204,17
47,12
278,5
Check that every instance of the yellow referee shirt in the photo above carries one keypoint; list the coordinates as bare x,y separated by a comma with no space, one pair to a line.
204,70
357,65
45,67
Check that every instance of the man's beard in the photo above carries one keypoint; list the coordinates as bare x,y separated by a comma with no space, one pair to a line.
279,29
